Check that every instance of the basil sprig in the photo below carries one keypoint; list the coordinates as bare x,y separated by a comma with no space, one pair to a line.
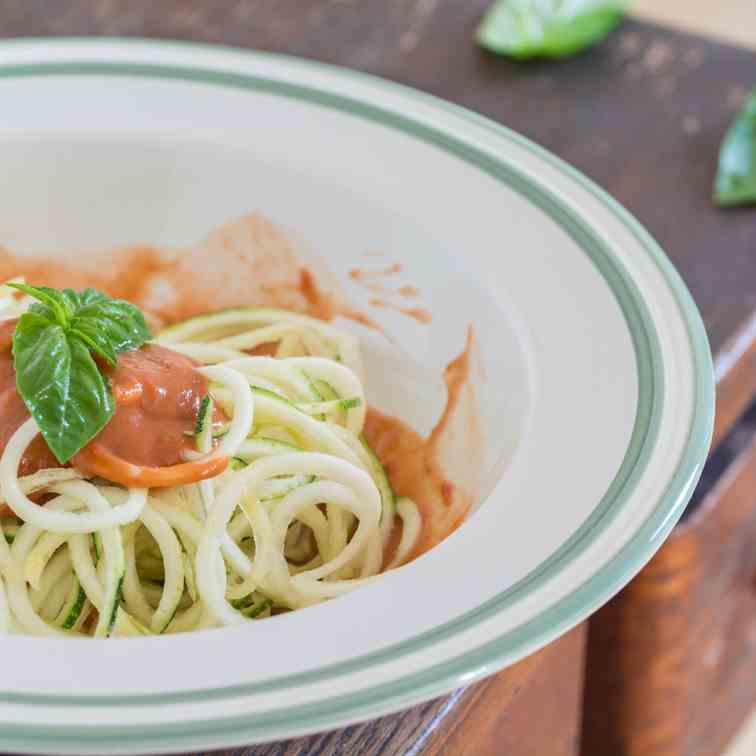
56,374
736,176
525,29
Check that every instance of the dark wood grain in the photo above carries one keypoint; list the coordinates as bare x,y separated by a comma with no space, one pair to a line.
492,718
736,377
672,659
499,718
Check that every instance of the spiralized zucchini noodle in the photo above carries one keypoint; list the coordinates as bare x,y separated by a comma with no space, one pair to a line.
302,512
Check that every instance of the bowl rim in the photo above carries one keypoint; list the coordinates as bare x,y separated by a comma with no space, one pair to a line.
568,611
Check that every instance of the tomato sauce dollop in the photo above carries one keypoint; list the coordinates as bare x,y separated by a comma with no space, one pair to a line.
157,392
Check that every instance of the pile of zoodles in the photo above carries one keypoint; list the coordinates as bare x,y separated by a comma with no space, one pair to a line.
302,513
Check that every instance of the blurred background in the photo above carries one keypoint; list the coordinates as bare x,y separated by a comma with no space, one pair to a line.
732,20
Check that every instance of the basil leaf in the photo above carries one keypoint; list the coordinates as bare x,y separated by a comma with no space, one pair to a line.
56,374
88,296
44,310
119,322
60,384
524,29
736,175
73,298
88,330
56,300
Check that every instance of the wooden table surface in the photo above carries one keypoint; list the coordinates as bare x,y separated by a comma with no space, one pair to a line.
731,21
642,114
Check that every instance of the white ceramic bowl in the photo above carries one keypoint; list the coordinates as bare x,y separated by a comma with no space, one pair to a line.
597,402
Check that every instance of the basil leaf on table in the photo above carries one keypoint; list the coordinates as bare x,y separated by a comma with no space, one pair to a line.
736,176
56,374
524,29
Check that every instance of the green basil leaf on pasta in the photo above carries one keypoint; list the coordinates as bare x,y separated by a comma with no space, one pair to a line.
57,302
56,374
60,384
119,322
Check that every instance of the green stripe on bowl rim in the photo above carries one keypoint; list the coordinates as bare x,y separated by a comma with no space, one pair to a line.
552,621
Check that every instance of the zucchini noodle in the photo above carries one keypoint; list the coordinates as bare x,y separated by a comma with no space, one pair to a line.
302,512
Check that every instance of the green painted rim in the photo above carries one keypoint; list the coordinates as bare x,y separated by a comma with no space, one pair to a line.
554,620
